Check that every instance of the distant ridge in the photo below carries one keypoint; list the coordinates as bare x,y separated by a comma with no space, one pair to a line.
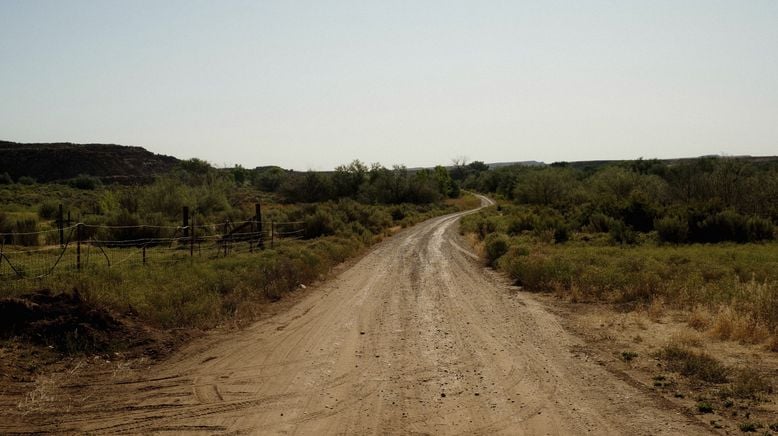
47,162
526,163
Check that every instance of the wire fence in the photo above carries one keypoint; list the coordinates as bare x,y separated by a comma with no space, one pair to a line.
82,247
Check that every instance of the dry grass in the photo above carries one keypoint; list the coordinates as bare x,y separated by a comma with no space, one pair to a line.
700,318
694,364
729,324
687,339
656,308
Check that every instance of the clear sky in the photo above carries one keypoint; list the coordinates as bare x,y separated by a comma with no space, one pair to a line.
312,84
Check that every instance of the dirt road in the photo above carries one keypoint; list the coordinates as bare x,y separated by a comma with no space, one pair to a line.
415,338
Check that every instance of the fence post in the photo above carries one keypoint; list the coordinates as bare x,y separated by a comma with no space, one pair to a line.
78,246
191,236
61,225
225,237
258,218
185,221
144,255
272,233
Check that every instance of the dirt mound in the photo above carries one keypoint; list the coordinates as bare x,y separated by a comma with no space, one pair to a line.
65,321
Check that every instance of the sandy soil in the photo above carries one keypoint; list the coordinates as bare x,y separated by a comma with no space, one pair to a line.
415,338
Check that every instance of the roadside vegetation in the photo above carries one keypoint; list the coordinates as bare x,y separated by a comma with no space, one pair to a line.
339,215
696,235
689,242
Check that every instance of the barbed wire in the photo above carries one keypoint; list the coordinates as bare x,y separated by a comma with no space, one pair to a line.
90,247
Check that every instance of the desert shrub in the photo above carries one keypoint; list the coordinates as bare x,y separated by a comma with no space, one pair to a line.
620,233
25,232
599,222
747,383
321,223
639,213
538,272
693,364
5,179
126,226
724,226
496,245
672,229
26,180
760,229
212,201
554,224
85,182
48,210
6,228
519,223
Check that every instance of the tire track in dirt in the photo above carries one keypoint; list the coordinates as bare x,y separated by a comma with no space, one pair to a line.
416,337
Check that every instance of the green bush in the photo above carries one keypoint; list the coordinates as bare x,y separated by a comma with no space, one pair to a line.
724,226
672,229
600,223
760,229
28,226
85,182
621,234
48,210
26,180
5,179
6,228
320,223
496,246
520,223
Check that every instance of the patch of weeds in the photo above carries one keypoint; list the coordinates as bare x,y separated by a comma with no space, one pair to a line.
692,364
748,383
715,424
628,356
704,407
749,427
774,426
728,404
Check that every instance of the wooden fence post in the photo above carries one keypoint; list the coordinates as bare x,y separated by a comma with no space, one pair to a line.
185,220
258,218
191,236
225,237
61,225
78,246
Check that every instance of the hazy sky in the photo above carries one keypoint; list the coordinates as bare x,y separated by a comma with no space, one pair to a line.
311,84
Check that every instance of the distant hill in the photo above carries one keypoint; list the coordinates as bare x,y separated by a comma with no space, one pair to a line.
526,163
61,161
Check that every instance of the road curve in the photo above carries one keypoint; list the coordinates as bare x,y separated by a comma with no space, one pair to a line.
415,338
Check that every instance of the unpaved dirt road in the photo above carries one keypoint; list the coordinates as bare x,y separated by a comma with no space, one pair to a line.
415,338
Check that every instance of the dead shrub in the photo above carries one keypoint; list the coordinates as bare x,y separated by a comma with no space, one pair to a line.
748,383
699,318
772,344
692,364
656,309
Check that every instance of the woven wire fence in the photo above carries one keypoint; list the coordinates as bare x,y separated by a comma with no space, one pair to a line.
83,247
